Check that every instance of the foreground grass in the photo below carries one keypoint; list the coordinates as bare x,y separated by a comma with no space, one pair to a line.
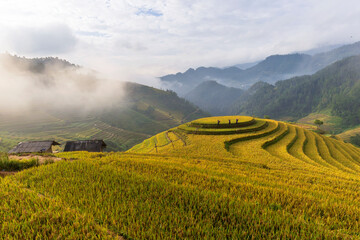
278,182
7,164
25,214
164,197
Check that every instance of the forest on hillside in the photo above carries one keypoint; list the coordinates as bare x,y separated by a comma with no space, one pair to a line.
335,88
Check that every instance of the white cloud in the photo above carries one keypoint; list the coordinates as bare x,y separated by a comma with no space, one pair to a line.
138,38
51,39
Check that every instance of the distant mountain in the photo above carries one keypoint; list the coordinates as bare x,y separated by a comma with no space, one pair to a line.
271,70
34,65
244,66
183,83
322,49
214,97
280,64
336,89
322,60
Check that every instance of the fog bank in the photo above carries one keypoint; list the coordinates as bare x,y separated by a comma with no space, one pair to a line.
53,84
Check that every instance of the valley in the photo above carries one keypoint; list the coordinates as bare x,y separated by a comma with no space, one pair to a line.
172,120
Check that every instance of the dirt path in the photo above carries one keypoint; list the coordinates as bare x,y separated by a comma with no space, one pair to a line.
179,137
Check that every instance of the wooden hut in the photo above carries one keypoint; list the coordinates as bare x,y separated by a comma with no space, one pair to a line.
34,147
85,145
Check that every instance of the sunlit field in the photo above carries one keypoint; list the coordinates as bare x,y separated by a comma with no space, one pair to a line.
278,181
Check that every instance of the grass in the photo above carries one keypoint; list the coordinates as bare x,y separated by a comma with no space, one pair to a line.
236,129
281,182
7,164
280,145
150,197
271,128
25,214
282,132
223,122
162,139
311,149
298,148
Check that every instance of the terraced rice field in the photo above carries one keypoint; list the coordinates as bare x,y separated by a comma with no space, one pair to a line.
274,182
285,143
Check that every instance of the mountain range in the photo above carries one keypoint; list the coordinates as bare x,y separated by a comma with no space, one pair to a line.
270,70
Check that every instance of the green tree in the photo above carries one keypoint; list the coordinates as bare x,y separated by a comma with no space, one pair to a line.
318,123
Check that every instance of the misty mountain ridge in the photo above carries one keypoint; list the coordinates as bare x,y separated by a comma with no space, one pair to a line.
271,70
244,66
34,65
214,97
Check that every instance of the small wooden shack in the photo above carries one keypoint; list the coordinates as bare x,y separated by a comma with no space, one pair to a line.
34,147
85,145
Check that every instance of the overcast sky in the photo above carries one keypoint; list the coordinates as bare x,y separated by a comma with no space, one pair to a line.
142,39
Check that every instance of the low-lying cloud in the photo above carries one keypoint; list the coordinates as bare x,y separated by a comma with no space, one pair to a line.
53,85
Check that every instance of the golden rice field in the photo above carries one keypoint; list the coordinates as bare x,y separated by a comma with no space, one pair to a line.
272,180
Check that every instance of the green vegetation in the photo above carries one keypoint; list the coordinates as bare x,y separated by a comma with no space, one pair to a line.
318,123
223,122
206,129
153,197
334,89
26,214
7,164
148,111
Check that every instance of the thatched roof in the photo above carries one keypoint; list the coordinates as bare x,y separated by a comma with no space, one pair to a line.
85,145
33,147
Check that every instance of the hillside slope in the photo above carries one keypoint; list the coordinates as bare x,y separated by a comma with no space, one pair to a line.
147,111
51,98
335,88
205,94
250,179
